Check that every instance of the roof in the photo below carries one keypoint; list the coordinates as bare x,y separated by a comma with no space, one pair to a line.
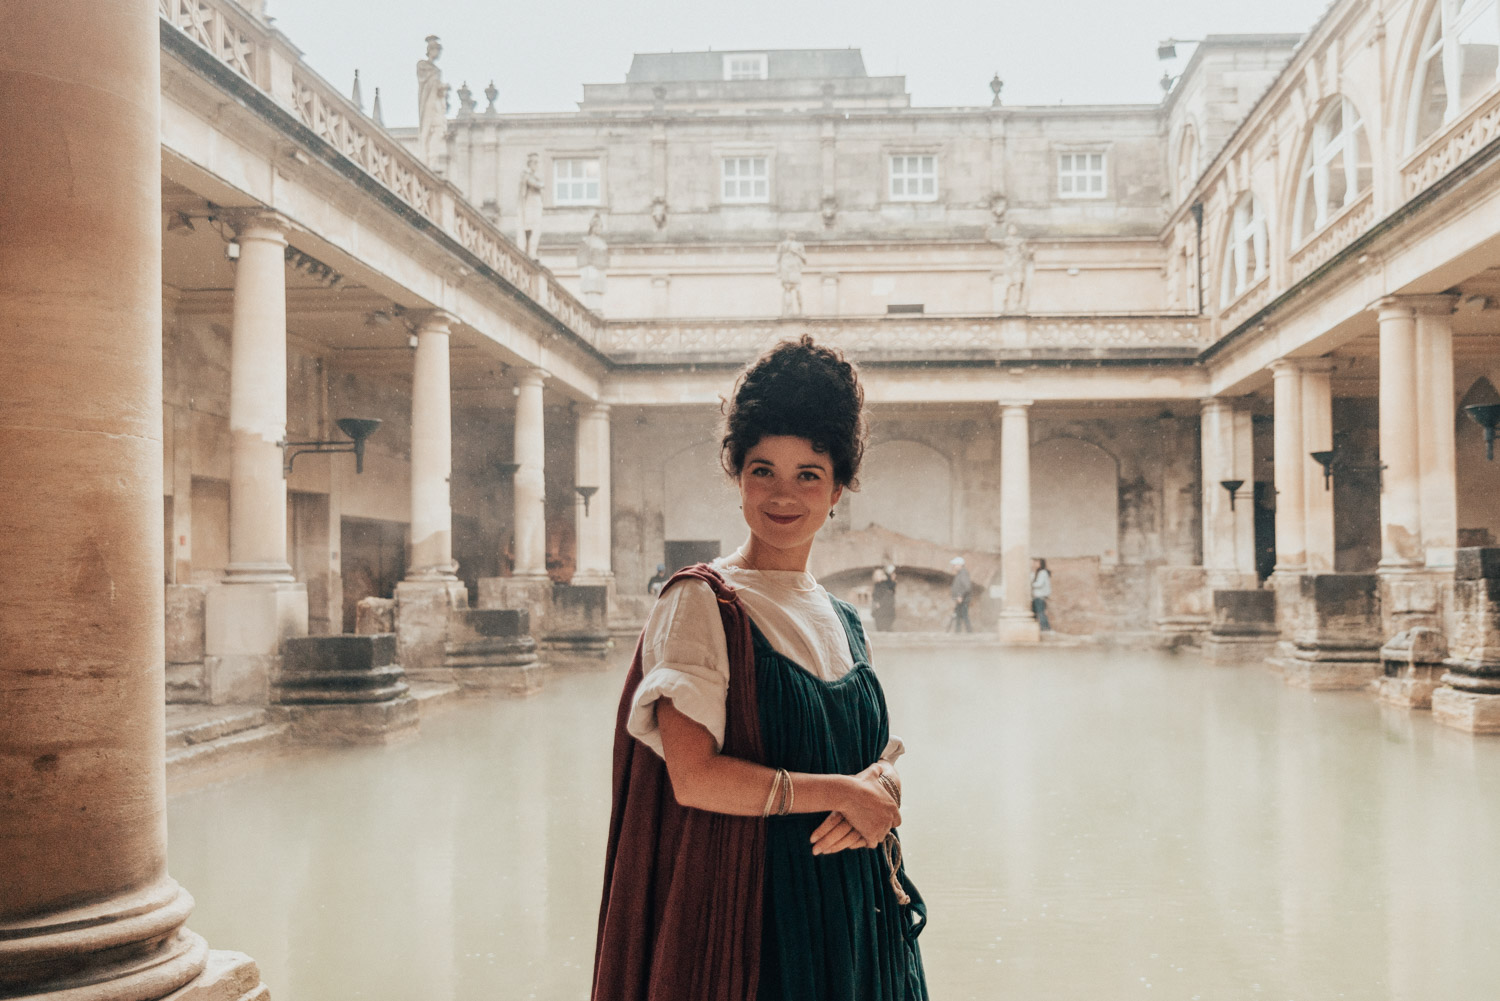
781,64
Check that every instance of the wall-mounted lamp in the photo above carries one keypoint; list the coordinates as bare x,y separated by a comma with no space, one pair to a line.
1335,464
506,469
357,428
586,493
1487,416
1167,48
1231,486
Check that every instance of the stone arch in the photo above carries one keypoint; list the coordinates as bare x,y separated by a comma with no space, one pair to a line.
1075,499
905,487
698,501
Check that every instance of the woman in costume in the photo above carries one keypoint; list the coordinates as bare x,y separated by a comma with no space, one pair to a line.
752,855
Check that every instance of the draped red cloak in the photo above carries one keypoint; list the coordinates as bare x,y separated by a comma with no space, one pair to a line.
681,914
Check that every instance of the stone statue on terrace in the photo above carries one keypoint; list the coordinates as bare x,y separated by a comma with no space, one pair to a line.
529,226
432,106
1013,275
593,261
791,257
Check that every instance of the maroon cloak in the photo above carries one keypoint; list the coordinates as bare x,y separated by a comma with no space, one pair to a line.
681,915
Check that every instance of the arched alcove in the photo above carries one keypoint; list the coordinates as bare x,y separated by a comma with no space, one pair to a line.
699,503
1478,486
905,487
1075,500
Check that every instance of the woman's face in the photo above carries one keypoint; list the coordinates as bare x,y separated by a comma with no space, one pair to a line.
786,491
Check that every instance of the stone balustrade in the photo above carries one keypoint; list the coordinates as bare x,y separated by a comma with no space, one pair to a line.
929,337
1452,146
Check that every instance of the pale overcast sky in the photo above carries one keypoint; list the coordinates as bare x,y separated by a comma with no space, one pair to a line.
541,53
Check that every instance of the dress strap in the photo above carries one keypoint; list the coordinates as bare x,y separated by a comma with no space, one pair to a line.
853,628
725,594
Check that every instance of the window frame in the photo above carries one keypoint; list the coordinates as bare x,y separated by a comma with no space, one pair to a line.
906,157
762,66
1073,174
1247,229
598,181
1440,39
725,159
1317,171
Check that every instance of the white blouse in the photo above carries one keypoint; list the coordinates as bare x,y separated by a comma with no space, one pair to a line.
685,655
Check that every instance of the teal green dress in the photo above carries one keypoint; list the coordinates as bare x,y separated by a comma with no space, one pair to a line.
834,927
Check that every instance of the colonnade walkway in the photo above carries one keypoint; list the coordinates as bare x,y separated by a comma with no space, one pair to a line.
1082,823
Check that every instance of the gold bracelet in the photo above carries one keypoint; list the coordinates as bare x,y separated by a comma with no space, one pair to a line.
775,788
890,786
786,806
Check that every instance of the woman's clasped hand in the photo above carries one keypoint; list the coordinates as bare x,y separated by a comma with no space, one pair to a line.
866,819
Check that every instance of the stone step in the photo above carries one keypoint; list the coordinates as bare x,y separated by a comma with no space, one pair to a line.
242,743
191,725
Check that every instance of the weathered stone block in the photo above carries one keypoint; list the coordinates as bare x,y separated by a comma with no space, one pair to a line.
577,633
185,636
1479,563
336,669
353,722
1469,711
375,615
1338,634
1412,664
1181,602
491,649
1243,630
423,609
244,627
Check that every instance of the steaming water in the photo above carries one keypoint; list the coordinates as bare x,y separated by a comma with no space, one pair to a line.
1082,824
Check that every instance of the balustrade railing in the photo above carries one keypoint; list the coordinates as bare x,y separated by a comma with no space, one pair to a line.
1452,146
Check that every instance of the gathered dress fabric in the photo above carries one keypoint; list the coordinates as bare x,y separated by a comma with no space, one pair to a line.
700,905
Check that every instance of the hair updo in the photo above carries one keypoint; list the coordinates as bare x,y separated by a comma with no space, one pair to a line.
802,389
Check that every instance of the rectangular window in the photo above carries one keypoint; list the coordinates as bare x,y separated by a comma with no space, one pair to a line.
914,178
1080,175
746,179
575,182
745,66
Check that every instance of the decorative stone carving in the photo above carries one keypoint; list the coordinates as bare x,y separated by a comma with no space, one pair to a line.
593,262
791,257
830,209
529,225
659,211
1011,278
466,103
490,93
432,105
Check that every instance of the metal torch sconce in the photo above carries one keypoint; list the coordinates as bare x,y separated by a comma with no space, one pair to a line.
1334,464
1232,486
585,493
357,428
1487,416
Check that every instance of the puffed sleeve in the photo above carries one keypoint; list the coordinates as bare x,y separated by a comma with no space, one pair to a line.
684,658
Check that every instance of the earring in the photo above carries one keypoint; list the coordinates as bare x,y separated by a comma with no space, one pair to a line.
831,512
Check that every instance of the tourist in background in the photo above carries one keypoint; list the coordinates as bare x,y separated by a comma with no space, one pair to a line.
654,585
883,598
1041,590
962,590
751,850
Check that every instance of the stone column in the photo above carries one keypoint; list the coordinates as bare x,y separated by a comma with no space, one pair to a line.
1400,495
1317,436
1291,538
530,490
1017,624
259,603
1437,456
1228,528
593,471
431,590
87,909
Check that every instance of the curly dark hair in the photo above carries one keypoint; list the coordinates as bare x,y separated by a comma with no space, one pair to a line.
803,389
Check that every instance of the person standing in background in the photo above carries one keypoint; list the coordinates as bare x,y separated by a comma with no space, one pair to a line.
883,598
1041,590
654,585
962,589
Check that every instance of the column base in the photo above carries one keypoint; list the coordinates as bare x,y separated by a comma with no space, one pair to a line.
491,649
1238,651
1019,627
1323,669
244,625
423,608
1413,665
353,723
1472,712
227,976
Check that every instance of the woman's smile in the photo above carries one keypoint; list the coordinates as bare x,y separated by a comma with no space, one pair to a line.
782,519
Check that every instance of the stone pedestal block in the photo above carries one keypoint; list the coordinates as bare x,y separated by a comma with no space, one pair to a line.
1412,664
1181,608
422,611
1468,697
532,595
344,689
244,626
492,649
1243,630
184,633
375,615
1412,599
1018,628
576,633
226,976
1337,639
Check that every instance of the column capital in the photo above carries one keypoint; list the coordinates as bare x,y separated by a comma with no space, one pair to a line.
530,375
434,321
1283,367
1439,304
1011,406
595,409
1214,403
259,224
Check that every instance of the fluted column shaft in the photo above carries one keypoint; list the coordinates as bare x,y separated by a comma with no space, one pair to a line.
1017,623
1291,537
431,453
594,557
530,484
1400,495
86,904
257,404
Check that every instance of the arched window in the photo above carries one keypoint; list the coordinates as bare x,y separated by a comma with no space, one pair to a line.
1187,159
1245,261
1336,169
1459,60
